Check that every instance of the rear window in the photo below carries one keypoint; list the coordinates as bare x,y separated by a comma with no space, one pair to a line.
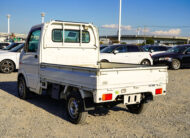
70,36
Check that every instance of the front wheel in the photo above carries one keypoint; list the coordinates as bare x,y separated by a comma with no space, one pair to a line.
146,62
75,108
175,64
23,91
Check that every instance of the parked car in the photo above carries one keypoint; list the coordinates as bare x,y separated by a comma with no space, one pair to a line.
174,58
9,60
72,71
4,44
125,54
9,47
103,46
155,49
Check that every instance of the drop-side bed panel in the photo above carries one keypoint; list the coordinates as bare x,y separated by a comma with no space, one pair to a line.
104,78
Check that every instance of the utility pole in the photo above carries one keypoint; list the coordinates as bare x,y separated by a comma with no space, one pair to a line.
119,26
144,35
8,24
42,16
138,32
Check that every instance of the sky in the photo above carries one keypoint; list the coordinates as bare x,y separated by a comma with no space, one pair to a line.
156,17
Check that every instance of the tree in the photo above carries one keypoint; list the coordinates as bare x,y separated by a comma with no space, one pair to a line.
150,41
124,43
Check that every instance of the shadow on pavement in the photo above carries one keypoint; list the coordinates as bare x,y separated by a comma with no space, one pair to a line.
55,107
52,106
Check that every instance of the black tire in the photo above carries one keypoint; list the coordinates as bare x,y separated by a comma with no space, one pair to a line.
23,91
104,60
7,66
136,108
145,62
75,108
176,64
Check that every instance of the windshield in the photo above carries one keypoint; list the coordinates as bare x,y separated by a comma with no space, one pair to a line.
177,49
17,48
108,49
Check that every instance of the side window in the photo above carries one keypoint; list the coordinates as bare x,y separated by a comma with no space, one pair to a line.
70,36
133,49
33,41
122,49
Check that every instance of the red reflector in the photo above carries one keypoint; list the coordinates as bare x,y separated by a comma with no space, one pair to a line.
106,97
159,91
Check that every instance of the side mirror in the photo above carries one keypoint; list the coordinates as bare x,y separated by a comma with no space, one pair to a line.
115,51
188,53
151,50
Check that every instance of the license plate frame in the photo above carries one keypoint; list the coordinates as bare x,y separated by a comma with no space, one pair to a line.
132,99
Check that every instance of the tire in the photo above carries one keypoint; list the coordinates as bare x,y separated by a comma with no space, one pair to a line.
145,62
104,60
7,66
23,91
75,108
136,108
176,64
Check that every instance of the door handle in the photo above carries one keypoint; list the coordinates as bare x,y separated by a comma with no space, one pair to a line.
36,56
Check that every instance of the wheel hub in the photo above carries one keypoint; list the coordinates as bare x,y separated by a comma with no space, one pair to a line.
7,66
176,64
73,108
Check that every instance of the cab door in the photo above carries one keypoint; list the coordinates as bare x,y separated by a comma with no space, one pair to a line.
30,59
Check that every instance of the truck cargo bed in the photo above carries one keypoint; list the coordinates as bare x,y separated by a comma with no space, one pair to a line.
106,75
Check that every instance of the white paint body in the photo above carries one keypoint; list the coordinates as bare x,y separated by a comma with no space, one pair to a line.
77,65
127,57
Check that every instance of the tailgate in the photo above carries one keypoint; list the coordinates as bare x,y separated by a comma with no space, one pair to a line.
127,77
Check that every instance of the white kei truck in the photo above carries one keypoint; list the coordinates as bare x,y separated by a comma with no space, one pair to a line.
63,59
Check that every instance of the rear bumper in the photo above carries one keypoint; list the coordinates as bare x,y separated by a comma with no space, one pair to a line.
121,92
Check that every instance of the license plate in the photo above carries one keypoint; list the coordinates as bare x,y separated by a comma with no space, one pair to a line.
132,99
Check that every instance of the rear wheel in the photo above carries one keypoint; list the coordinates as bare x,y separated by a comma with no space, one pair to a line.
75,108
7,66
135,108
145,62
175,64
23,91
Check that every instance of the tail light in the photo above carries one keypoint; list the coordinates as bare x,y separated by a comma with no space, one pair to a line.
158,91
106,97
